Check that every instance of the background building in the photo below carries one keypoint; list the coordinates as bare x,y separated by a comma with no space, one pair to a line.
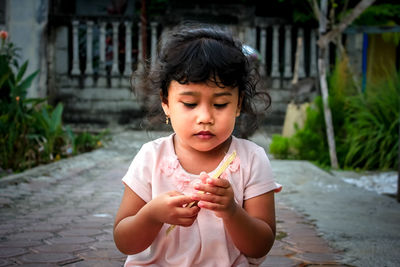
86,50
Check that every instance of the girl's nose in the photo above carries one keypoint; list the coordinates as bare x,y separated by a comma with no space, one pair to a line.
205,115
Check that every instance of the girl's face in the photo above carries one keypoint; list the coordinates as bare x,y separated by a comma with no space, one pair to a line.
202,114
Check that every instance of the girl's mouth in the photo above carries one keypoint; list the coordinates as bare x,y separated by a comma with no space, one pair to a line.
204,135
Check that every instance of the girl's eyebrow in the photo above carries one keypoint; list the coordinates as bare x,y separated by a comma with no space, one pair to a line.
191,93
223,94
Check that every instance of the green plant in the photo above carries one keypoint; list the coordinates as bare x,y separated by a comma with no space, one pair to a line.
85,141
16,112
309,143
379,14
373,125
279,146
366,125
48,129
31,131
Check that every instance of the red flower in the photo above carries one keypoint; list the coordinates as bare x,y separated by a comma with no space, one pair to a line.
3,35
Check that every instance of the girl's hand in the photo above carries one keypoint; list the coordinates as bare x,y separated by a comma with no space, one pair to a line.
170,208
218,196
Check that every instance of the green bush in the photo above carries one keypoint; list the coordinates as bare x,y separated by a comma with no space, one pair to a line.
16,112
366,125
84,142
372,127
279,146
31,132
48,129
308,142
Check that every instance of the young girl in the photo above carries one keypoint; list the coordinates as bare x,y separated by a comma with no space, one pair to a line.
205,82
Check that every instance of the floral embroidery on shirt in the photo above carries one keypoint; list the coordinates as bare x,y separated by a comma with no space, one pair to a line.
182,180
233,167
168,166
224,175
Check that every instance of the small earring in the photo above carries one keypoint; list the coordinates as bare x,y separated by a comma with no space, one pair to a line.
166,119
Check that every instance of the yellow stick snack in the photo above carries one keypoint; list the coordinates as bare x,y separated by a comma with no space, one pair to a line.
216,175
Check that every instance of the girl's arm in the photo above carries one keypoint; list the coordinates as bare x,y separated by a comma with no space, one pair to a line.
251,227
137,223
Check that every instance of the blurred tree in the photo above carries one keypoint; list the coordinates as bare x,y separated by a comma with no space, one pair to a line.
333,18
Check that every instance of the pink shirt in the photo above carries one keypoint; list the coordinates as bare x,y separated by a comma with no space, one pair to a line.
156,169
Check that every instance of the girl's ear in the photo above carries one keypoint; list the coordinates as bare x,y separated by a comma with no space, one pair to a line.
164,104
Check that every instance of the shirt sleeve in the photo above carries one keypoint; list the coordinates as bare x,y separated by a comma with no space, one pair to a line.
139,174
261,178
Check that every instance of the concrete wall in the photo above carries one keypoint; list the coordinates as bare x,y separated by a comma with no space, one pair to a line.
26,21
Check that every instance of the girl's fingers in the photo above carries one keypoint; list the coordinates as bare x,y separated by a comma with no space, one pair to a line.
209,205
213,188
218,182
208,198
182,200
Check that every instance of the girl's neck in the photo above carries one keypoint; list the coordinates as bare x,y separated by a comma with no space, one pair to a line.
194,161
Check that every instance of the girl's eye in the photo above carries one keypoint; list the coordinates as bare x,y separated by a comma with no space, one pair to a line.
220,105
189,105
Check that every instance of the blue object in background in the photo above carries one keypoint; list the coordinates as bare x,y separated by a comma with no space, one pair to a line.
364,62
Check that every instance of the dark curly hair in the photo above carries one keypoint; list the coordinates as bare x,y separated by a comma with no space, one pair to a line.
204,53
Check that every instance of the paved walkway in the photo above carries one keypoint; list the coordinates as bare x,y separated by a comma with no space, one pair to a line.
62,214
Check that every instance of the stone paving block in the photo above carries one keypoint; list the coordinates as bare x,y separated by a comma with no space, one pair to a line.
113,254
320,258
93,221
7,226
4,262
20,243
60,248
323,249
89,225
97,263
30,236
59,258
104,245
10,227
43,227
302,232
81,232
279,249
67,215
71,240
37,264
307,241
105,237
4,232
278,261
5,202
11,252
60,220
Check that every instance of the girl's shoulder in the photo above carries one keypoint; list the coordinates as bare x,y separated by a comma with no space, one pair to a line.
246,144
160,145
249,151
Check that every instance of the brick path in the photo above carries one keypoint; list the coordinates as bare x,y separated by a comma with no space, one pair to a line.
62,214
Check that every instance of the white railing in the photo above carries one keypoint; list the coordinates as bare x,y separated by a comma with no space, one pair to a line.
280,64
107,53
278,55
